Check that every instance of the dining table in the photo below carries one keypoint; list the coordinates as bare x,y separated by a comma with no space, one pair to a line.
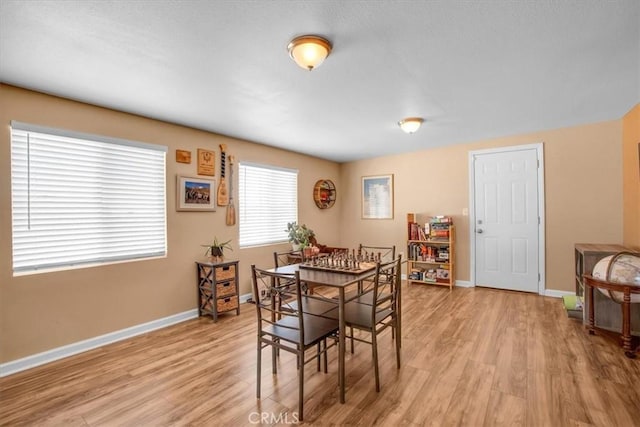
339,280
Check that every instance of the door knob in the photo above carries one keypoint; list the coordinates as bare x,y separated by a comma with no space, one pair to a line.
479,230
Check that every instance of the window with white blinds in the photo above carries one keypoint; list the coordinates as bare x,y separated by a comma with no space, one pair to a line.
268,198
83,199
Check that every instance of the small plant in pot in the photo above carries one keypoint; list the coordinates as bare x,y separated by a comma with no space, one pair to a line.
216,249
299,235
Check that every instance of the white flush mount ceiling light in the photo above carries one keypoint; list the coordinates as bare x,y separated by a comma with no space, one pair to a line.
410,124
309,51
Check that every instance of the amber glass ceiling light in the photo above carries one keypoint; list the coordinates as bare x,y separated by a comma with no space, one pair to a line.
309,51
410,124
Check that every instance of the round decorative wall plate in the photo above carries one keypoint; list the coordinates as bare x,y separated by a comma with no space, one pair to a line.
324,193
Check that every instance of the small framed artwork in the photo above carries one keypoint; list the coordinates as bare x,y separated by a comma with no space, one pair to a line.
377,197
195,194
183,156
206,162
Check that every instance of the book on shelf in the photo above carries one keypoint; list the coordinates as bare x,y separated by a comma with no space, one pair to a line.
423,276
430,275
440,234
442,273
440,227
436,229
416,232
421,234
413,231
441,219
418,251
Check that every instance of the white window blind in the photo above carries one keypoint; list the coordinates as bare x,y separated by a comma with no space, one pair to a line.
83,199
268,199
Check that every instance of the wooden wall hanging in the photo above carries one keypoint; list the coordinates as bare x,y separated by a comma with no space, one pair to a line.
183,156
206,162
324,193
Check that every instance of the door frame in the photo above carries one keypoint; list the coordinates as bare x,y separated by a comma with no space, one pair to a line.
539,147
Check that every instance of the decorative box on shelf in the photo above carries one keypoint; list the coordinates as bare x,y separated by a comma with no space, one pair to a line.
217,288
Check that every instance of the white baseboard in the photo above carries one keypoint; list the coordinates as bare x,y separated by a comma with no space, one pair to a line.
557,294
464,284
244,298
548,293
48,356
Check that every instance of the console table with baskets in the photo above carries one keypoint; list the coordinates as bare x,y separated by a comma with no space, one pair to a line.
217,288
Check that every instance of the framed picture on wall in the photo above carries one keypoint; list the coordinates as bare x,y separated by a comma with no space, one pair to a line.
377,197
195,194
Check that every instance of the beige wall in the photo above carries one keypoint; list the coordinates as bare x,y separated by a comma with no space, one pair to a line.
631,171
583,193
45,311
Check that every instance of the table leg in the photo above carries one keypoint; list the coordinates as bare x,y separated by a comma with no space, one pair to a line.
591,309
341,343
626,326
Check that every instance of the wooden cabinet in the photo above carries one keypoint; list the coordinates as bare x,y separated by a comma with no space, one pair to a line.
607,313
431,252
217,288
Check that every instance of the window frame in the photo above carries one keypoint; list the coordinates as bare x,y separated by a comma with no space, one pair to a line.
277,233
41,162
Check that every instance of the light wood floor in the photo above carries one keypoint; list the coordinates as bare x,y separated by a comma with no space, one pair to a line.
473,357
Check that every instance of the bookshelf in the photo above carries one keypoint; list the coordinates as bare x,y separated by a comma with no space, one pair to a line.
431,250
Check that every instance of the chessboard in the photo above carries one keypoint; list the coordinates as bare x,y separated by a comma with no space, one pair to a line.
363,268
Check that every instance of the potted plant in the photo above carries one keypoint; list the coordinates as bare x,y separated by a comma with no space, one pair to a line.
216,249
299,235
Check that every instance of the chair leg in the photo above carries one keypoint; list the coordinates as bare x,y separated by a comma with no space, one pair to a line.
259,368
325,356
301,387
395,325
318,355
374,347
274,367
351,331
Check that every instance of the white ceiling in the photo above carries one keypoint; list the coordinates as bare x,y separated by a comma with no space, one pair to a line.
472,69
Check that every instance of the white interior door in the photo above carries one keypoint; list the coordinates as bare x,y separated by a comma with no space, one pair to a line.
506,219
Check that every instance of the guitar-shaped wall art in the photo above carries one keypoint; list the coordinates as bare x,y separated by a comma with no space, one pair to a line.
223,195
231,209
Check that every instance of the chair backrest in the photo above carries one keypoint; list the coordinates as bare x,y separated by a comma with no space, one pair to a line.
282,290
386,253
287,258
386,285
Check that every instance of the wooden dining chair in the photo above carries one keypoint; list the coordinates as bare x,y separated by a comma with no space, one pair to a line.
386,253
289,329
377,310
289,258
363,292
312,304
